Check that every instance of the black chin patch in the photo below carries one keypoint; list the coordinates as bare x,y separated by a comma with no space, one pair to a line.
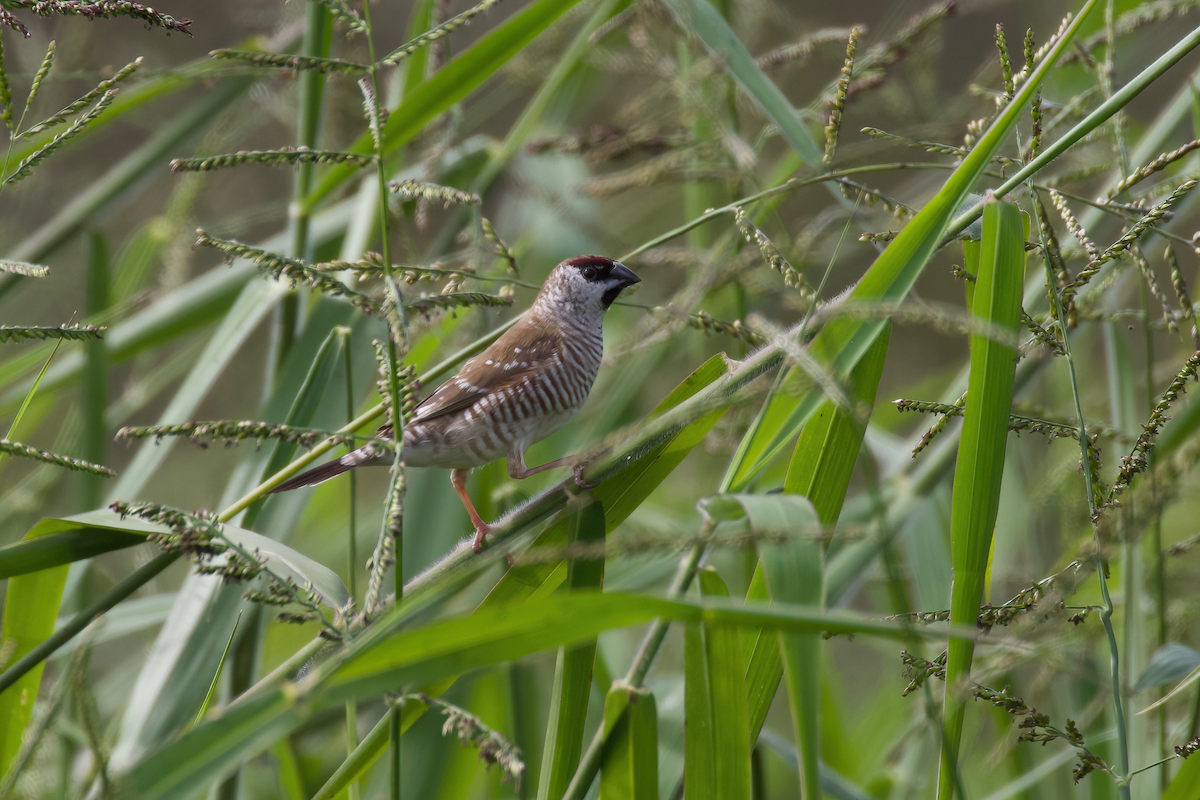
610,295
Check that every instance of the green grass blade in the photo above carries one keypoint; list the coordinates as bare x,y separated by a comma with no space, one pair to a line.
843,341
29,613
630,770
212,687
56,541
793,572
28,398
730,724
573,672
368,751
699,758
795,575
978,472
763,663
704,20
452,83
384,656
1186,783
95,380
420,20
291,781
824,457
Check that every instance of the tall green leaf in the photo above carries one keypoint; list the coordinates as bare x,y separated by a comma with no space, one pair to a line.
56,541
630,769
716,718
25,625
573,671
730,724
980,465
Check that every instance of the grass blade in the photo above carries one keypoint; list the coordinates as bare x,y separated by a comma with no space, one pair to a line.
573,672
1186,783
212,687
978,472
56,541
699,757
28,623
631,745
704,20
730,724
95,373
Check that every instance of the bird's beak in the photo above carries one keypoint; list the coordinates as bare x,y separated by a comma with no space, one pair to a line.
618,278
621,276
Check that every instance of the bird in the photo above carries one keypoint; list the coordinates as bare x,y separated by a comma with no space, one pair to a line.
529,383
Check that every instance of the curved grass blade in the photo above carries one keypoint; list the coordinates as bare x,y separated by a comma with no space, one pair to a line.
978,471
56,541
212,687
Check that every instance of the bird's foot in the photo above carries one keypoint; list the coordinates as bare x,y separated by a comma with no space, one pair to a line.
482,529
579,481
481,532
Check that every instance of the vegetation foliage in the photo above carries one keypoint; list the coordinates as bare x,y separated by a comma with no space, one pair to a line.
776,586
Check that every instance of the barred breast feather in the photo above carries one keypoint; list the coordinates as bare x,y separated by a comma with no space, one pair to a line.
518,391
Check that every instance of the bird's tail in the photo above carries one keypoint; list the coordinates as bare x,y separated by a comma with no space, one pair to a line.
312,477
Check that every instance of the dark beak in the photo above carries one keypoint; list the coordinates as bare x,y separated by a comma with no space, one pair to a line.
621,276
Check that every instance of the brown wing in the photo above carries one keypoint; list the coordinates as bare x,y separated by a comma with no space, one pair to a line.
523,349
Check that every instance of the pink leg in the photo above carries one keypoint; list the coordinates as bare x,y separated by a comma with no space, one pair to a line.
518,471
458,477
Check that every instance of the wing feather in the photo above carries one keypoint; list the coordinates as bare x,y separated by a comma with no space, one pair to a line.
522,350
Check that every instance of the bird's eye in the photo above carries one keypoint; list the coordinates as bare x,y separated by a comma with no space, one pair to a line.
589,273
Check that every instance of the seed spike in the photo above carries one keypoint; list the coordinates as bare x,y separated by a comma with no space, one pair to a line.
833,127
